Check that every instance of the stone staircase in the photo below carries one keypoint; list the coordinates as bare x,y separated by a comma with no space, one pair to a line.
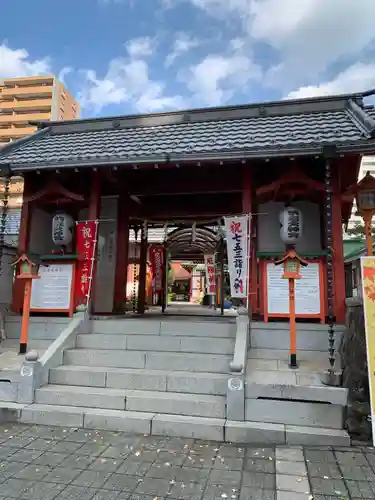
170,377
171,373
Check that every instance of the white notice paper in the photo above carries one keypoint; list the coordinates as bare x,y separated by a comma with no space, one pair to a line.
53,289
307,290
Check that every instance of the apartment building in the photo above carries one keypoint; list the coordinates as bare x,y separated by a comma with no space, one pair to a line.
24,101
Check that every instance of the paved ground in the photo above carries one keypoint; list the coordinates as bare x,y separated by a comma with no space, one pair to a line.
46,463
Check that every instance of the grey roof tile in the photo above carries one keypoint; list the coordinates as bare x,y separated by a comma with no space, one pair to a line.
181,140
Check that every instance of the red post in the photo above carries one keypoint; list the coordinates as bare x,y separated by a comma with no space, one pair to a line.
25,316
122,255
23,246
246,209
293,333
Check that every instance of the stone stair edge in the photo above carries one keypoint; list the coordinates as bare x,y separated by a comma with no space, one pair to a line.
134,371
217,429
166,353
127,392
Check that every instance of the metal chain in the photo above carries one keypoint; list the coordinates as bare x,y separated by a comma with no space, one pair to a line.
4,218
329,263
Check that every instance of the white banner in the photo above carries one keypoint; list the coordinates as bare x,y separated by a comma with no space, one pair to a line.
209,261
237,237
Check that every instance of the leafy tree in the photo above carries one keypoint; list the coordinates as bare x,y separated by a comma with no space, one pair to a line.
359,229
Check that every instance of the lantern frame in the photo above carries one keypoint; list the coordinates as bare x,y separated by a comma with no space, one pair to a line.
292,263
29,269
364,186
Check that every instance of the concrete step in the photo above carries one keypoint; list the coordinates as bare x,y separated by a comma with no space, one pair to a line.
283,354
180,426
142,401
214,345
213,363
289,412
276,336
140,379
298,385
266,433
148,326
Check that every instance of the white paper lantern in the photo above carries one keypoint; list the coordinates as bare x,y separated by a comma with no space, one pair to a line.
62,229
291,225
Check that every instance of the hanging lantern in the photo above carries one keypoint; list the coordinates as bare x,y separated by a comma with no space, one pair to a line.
290,225
62,229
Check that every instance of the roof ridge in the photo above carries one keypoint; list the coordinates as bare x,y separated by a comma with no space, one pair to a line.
215,109
360,116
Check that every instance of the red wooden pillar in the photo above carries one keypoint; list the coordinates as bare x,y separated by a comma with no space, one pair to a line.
93,214
142,270
338,253
122,255
247,205
23,245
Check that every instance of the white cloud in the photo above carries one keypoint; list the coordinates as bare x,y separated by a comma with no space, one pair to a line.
356,78
17,62
63,72
182,44
140,47
217,78
126,81
308,35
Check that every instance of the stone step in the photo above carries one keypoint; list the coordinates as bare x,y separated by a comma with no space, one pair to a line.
195,328
180,426
308,339
266,433
291,385
214,345
142,401
289,412
283,354
140,379
212,363
301,326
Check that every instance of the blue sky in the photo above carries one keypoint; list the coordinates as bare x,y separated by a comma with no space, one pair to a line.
136,56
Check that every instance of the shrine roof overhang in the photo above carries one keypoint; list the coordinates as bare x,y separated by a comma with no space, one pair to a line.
265,130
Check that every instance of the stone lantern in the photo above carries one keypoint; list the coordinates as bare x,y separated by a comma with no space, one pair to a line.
364,193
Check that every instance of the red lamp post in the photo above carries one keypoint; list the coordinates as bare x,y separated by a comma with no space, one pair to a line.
292,262
28,271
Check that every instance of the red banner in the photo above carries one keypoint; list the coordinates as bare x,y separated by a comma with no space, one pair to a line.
157,268
86,233
209,261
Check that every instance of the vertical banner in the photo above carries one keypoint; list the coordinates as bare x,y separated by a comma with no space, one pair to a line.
86,235
368,294
238,246
209,262
157,267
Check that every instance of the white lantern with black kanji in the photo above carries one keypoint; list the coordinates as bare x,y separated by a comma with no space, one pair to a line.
290,225
62,229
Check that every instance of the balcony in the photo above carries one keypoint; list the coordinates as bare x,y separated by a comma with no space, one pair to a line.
24,118
37,90
34,104
16,133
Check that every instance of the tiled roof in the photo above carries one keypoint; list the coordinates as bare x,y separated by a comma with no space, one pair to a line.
270,129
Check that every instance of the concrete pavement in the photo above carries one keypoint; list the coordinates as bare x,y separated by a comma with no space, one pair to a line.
55,463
